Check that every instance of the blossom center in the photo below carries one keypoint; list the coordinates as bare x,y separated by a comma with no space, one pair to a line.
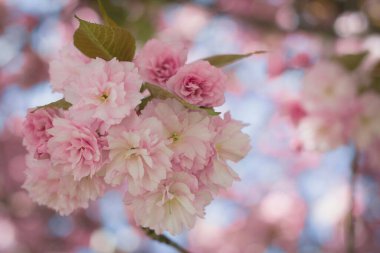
175,137
104,96
167,199
133,152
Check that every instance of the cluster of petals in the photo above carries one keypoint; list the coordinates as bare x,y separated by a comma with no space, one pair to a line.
170,161
68,174
201,146
69,148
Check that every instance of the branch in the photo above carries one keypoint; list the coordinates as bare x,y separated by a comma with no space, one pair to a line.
164,239
350,237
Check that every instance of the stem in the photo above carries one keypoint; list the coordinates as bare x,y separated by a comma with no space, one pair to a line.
164,239
350,237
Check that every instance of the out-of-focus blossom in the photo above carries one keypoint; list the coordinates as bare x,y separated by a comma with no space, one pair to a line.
277,220
292,107
327,86
321,133
276,64
186,23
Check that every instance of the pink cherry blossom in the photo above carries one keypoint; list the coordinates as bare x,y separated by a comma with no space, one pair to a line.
76,148
108,91
48,186
187,131
36,136
327,86
66,67
174,206
217,174
229,144
157,61
199,83
138,153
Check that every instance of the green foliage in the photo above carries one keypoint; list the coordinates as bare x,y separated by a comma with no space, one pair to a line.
108,9
160,93
104,41
107,20
350,61
143,27
59,104
226,59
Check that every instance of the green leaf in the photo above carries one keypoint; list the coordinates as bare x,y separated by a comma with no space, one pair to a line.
160,93
104,41
350,61
144,103
225,59
59,104
106,18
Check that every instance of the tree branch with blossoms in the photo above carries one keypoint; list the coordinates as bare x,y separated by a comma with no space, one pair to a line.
146,122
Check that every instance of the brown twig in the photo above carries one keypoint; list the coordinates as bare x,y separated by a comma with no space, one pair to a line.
350,236
164,239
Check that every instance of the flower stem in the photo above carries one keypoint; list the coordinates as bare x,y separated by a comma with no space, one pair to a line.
350,236
164,239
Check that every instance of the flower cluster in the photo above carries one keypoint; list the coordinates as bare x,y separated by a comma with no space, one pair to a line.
170,160
335,109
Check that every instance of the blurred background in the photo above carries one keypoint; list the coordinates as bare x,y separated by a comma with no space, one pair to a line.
286,201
